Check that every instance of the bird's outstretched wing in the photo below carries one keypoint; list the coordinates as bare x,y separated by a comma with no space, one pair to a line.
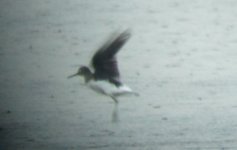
104,60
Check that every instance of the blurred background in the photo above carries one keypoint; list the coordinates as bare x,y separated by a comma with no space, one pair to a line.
181,59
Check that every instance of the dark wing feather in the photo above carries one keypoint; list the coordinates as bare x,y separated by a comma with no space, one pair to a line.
104,61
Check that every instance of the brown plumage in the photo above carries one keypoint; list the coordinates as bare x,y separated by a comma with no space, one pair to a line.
105,65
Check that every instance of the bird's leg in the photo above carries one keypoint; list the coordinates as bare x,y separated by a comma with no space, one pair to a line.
115,100
115,114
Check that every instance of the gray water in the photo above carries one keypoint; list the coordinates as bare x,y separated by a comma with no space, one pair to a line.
181,59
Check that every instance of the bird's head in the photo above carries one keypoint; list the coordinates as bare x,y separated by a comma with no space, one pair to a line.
83,71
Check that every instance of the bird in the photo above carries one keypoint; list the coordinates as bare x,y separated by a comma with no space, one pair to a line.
106,76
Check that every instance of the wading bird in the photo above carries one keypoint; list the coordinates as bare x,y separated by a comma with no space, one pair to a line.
106,78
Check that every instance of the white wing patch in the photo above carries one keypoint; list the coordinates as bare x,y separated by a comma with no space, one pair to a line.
107,88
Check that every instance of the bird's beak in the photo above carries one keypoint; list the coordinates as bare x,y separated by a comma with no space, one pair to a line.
71,76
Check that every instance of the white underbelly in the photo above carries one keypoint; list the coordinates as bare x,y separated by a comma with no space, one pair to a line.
109,89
